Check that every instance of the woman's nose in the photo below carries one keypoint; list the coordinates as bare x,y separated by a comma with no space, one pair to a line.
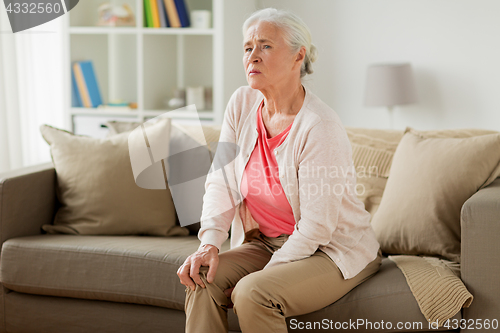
254,56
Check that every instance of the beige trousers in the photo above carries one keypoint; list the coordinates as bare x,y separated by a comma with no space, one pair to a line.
263,298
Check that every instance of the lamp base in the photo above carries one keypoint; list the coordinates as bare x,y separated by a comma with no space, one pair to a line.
391,116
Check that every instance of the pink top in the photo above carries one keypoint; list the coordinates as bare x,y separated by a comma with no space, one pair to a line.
261,187
313,160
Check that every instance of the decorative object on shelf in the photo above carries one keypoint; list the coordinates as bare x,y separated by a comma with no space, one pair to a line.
389,84
196,96
118,105
166,13
201,19
117,102
111,15
179,99
86,91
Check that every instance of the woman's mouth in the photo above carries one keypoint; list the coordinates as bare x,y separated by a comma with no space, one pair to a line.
253,72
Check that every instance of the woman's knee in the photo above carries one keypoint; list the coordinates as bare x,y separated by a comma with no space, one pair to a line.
213,292
242,289
254,291
218,280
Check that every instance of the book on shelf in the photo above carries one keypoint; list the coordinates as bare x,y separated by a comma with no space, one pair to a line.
182,12
86,84
156,14
166,13
148,15
81,85
162,13
91,80
76,100
173,16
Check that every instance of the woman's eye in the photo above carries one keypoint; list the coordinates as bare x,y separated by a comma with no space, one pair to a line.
249,49
266,46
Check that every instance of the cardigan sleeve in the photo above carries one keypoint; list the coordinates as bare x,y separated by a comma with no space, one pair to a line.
322,170
221,192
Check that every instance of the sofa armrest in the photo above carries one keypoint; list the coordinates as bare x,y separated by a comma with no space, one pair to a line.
480,253
27,200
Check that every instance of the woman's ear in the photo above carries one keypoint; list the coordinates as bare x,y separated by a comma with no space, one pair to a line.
301,55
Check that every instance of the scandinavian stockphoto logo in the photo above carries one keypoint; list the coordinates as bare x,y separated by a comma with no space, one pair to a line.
154,162
158,165
26,14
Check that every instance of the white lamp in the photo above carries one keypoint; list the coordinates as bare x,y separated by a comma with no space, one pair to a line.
389,84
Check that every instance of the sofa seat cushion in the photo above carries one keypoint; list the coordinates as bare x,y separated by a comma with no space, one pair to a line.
385,297
143,270
130,269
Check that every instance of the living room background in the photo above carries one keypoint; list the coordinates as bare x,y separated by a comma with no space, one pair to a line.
451,45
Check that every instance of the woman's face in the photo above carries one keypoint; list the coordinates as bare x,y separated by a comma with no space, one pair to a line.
268,60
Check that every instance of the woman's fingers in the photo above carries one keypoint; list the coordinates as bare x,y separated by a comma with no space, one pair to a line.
212,269
183,273
195,274
189,272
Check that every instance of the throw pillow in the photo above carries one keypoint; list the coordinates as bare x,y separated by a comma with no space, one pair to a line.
97,190
117,127
185,138
372,153
430,180
462,133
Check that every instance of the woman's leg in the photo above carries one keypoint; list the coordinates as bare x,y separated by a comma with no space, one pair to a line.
264,298
206,308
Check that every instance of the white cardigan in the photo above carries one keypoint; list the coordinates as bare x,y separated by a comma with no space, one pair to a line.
317,176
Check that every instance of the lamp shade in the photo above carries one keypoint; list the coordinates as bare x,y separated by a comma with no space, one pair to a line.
389,84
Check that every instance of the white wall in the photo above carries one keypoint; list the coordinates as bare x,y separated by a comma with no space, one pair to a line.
235,13
453,45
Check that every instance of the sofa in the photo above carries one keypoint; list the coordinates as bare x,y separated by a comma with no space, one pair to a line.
128,283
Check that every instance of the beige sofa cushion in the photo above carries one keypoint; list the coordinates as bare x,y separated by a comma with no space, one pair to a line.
142,270
372,153
97,190
430,180
373,150
185,138
130,269
117,127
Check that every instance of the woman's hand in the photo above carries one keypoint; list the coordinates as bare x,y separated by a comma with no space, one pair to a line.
189,272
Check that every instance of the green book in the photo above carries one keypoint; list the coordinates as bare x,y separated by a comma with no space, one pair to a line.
149,14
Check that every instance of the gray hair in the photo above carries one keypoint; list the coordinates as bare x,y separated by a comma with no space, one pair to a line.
295,31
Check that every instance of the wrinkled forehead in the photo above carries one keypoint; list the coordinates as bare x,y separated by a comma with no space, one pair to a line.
263,32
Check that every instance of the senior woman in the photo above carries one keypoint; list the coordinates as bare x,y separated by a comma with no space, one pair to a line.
300,238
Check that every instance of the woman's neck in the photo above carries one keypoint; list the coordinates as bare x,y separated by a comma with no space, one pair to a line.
284,102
